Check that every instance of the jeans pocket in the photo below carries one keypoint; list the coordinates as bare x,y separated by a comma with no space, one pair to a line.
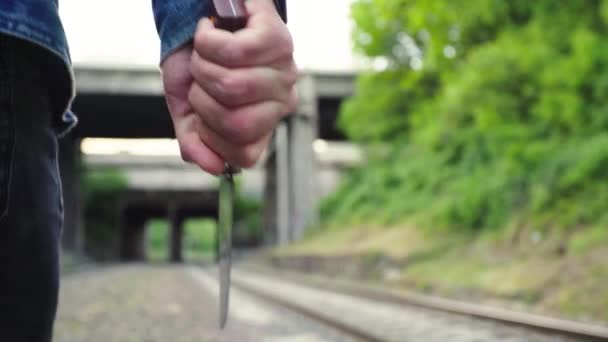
7,128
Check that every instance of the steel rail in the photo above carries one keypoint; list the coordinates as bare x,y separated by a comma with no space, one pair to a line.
316,315
562,327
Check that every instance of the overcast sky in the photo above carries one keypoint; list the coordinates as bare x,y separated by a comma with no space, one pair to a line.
122,33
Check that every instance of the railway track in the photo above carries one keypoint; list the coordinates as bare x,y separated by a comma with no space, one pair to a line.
374,314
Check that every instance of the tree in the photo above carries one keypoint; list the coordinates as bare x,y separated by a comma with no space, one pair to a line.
507,99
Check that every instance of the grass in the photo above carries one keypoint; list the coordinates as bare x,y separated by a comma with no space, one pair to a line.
394,242
521,270
589,239
198,243
158,240
199,239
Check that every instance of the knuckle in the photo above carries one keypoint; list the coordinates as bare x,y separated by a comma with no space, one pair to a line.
291,76
292,105
289,106
293,73
233,91
284,111
288,109
285,44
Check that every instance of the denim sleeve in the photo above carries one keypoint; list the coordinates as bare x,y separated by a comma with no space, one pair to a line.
176,22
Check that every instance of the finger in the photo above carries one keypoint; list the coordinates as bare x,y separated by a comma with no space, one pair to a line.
238,87
193,149
242,125
264,41
177,81
236,155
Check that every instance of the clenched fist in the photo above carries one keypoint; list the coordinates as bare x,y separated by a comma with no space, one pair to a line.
227,91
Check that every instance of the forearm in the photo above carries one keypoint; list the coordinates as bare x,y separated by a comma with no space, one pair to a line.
176,22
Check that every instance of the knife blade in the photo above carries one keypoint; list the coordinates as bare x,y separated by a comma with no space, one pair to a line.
226,212
230,15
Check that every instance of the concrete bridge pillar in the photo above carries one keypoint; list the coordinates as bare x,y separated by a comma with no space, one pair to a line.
176,234
302,172
133,246
283,185
69,165
291,190
270,201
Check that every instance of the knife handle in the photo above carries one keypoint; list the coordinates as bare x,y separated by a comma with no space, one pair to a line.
281,6
231,15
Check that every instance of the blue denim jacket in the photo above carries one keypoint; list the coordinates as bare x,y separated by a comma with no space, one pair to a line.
38,22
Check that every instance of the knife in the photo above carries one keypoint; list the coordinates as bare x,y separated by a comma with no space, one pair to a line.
226,212
230,15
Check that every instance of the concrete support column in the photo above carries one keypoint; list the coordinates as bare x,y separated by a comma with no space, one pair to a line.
302,171
176,234
69,166
133,245
283,186
270,201
292,192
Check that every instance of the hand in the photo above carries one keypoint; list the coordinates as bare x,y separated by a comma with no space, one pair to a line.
228,91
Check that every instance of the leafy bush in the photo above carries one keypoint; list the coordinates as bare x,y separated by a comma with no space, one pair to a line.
248,227
102,190
494,110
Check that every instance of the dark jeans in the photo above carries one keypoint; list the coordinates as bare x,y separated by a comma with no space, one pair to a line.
31,207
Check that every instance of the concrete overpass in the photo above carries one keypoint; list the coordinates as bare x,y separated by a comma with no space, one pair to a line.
129,104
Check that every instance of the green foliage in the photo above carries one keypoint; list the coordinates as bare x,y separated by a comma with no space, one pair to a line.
589,239
157,236
494,110
249,227
102,190
198,241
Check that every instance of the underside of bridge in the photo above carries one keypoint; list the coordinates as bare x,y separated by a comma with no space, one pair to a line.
122,116
139,207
